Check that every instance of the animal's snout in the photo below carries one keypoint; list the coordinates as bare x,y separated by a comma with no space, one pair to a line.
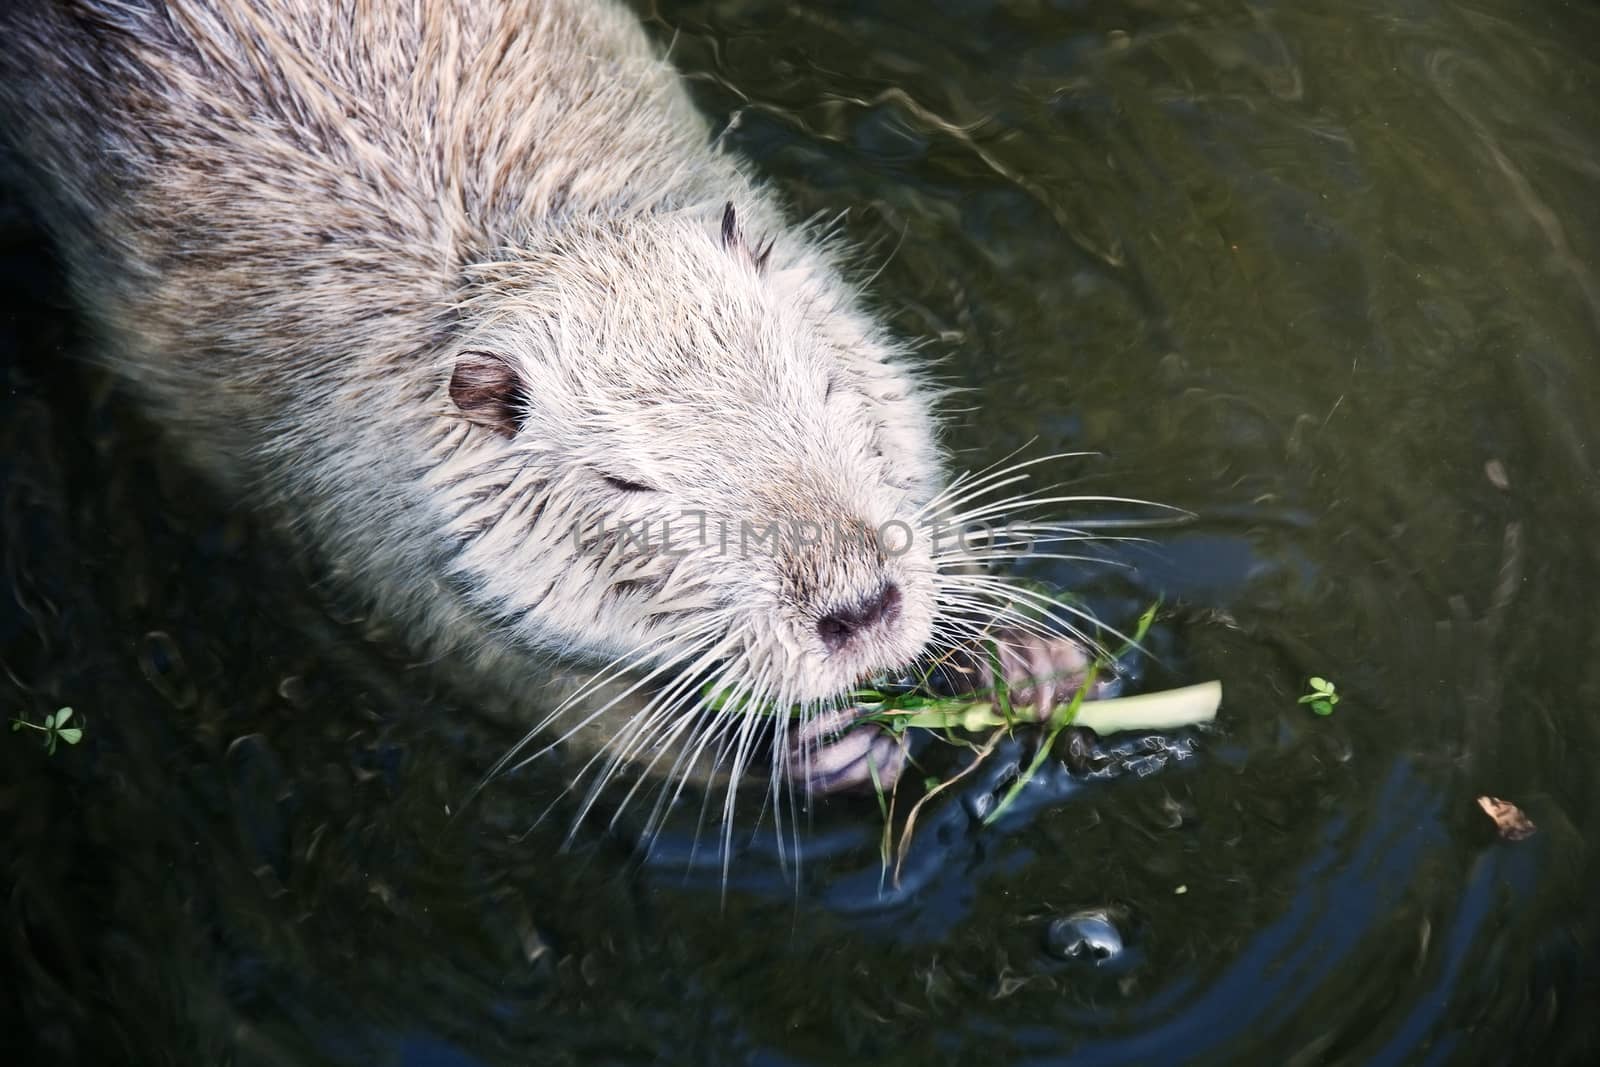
840,626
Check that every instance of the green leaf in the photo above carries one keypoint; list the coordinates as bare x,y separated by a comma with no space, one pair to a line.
71,735
17,724
877,787
50,721
1333,698
1145,620
1321,685
1136,642
930,783
1322,707
50,744
62,716
1309,697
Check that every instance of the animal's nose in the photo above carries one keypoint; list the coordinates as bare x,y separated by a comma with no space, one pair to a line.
838,627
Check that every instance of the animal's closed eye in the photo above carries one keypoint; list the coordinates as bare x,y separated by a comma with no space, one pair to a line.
626,485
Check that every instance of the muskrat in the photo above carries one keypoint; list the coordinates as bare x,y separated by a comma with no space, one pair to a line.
464,295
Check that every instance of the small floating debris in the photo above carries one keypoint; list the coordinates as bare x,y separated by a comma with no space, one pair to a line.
1508,818
1322,697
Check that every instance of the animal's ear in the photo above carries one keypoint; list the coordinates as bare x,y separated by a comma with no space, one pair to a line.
486,389
733,240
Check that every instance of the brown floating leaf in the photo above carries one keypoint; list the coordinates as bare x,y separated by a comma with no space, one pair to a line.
1508,818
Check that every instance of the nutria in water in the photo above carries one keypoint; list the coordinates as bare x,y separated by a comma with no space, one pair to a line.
463,294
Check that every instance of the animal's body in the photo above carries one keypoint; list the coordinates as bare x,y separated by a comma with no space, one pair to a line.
453,289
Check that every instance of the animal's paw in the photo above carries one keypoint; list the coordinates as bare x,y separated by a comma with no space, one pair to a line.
834,750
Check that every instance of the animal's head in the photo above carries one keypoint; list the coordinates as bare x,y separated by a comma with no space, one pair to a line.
674,444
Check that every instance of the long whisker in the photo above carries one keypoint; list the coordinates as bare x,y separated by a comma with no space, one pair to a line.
999,616
707,655
1046,605
987,476
620,665
1001,555
666,666
690,753
643,725
1003,506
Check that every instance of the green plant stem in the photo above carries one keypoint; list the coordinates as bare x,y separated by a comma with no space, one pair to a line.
1170,709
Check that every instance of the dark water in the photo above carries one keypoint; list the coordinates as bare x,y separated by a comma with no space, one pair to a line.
1322,273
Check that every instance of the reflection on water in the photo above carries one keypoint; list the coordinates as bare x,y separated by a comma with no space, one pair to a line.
1322,273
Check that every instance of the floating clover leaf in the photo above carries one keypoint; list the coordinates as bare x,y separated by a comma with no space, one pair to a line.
53,728
1322,697
70,734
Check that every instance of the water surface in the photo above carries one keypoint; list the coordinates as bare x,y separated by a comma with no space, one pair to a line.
1322,273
